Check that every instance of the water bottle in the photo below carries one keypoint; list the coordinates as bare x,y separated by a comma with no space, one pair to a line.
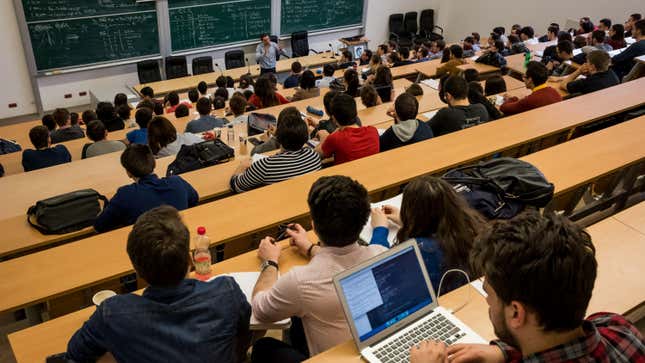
202,255
230,135
527,59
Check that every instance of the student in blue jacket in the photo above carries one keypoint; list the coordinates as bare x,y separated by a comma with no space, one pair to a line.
442,223
147,192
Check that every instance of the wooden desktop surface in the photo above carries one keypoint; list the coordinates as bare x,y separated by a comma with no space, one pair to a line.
618,263
185,83
104,258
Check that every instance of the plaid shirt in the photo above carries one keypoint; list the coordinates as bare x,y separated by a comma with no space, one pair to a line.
608,338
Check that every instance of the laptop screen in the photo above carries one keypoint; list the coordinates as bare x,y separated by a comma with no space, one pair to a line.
385,292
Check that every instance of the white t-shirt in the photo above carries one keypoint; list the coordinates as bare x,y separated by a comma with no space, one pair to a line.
182,139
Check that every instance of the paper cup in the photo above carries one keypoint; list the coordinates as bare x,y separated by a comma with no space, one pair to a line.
101,296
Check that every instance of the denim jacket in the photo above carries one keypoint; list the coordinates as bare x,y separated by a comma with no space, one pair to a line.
192,322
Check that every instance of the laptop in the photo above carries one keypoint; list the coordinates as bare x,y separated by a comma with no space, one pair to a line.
390,306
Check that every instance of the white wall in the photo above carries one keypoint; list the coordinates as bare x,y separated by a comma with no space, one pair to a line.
15,86
461,17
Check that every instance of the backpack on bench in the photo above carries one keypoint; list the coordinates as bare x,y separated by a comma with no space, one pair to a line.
66,213
199,156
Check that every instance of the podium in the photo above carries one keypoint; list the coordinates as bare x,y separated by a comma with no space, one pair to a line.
355,46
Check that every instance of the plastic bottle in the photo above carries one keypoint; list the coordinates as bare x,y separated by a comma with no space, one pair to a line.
230,134
527,59
202,255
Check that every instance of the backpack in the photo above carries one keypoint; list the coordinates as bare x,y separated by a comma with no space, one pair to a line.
199,156
66,213
502,187
8,147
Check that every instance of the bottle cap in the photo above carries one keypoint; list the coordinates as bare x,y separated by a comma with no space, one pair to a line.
201,231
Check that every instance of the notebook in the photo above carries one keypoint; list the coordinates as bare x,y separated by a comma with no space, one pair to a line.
366,233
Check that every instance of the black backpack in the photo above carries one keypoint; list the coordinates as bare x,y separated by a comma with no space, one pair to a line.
66,213
201,155
502,187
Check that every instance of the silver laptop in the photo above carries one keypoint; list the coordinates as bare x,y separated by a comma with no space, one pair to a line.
390,305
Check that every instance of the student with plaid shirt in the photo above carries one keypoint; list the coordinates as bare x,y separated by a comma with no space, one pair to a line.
539,275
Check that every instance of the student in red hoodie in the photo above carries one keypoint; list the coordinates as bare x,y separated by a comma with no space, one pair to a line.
535,80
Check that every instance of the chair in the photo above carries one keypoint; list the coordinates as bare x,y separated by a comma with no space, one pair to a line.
274,39
397,31
427,27
202,65
234,59
176,67
148,71
300,44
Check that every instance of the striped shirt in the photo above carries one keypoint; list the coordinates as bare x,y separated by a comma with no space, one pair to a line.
276,168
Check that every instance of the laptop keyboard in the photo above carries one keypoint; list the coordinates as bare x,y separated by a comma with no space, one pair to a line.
436,328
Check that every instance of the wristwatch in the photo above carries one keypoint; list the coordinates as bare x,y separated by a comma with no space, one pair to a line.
268,263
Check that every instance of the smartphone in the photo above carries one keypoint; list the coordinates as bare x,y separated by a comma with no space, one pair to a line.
255,141
58,358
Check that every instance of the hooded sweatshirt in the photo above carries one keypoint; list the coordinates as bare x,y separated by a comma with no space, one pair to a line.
404,133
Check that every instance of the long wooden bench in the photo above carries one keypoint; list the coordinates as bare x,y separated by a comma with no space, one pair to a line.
86,262
617,251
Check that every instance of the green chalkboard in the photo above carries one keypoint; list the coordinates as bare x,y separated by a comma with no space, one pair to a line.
73,33
198,24
298,15
39,10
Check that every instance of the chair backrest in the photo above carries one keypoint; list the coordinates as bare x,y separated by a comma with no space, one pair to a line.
410,22
202,65
274,39
396,24
176,67
234,59
300,44
149,71
426,21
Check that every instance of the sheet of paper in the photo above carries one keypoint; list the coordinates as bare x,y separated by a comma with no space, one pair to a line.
499,100
479,286
430,114
246,281
366,233
432,83
615,52
381,131
539,53
630,40
257,157
577,51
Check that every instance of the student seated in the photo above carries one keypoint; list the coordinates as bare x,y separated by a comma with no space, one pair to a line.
164,140
328,76
404,57
598,42
350,141
493,56
307,87
246,84
604,25
221,92
147,192
623,62
346,60
382,82
494,85
470,47
535,79
597,72
294,158
202,88
352,84
172,102
551,33
501,32
265,95
176,318
365,57
539,273
206,121
423,55
49,122
459,114
516,46
414,89
125,113
369,96
65,130
339,209
617,36
182,111
44,156
451,67
476,96
96,132
328,125
140,136
224,82
193,95
407,129
586,26
439,220
294,78
436,49
561,67
629,24
107,114
527,35
471,75
551,52
237,104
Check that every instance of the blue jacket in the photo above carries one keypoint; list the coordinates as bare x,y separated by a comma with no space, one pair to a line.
192,322
432,258
149,192
38,159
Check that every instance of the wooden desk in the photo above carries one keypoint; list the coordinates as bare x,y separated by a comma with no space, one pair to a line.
185,83
633,217
103,257
35,343
641,59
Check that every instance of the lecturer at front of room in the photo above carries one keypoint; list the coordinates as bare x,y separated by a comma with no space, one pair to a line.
266,54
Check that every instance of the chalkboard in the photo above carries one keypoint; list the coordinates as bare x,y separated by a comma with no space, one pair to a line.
298,15
72,33
198,24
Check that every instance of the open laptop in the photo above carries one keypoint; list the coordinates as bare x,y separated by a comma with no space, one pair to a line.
390,305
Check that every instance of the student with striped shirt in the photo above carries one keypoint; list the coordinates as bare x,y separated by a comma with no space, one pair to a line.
293,159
